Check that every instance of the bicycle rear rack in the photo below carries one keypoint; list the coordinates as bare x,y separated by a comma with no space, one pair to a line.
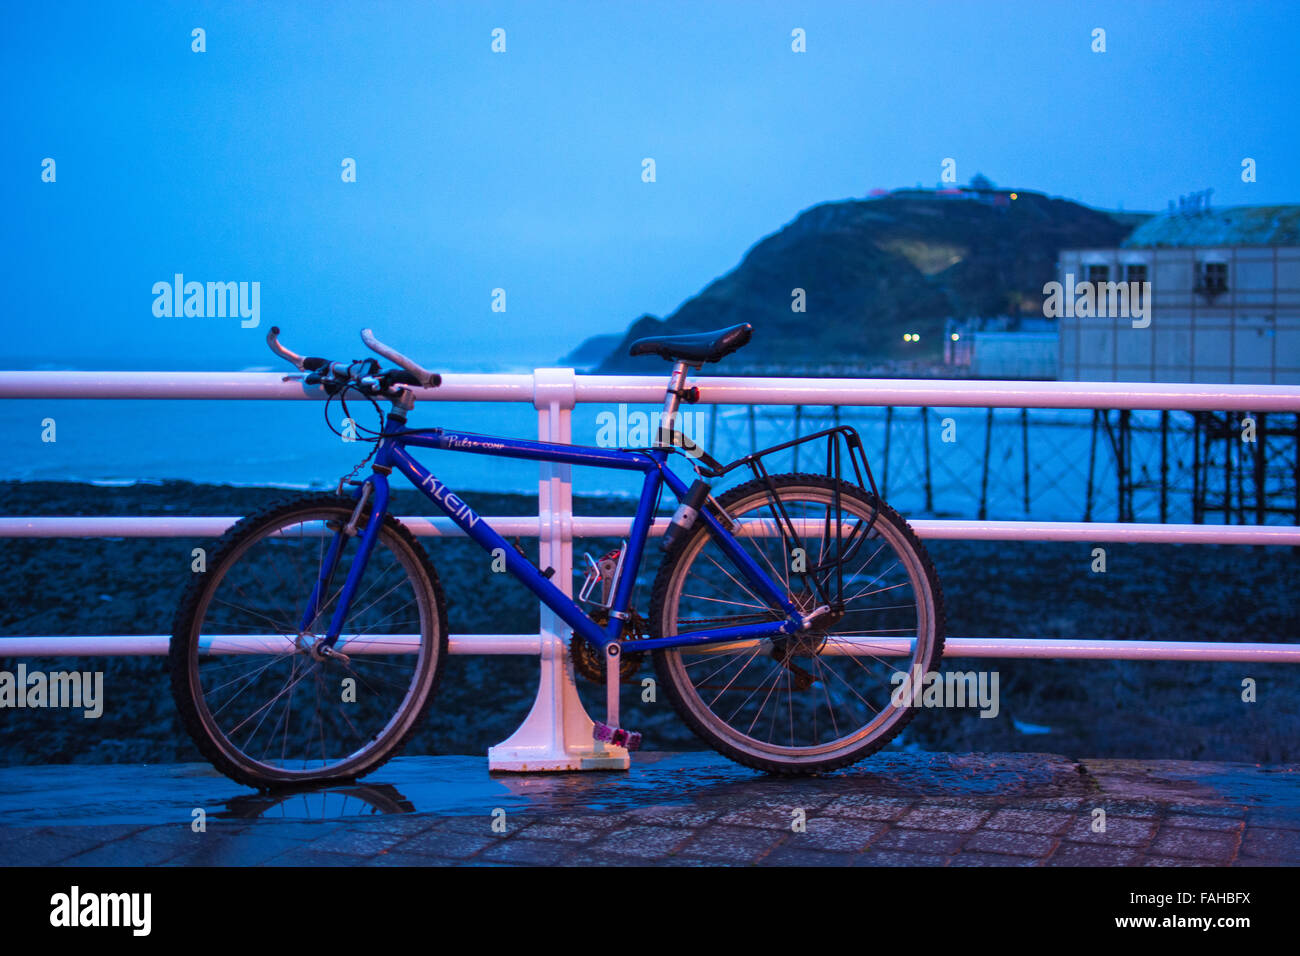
816,577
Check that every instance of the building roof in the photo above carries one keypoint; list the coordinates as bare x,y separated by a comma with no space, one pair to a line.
1232,226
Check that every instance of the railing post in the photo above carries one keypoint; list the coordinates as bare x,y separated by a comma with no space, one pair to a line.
557,733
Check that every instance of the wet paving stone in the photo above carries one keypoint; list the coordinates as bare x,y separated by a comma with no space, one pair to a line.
307,856
564,834
921,841
690,809
446,843
792,854
356,842
1227,811
588,821
1049,822
943,818
522,850
1078,854
968,858
644,842
884,857
1181,842
1011,843
830,833
1172,861
233,851
1275,818
42,846
732,844
398,858
676,816
1120,831
765,818
306,831
1191,822
184,836
1271,844
868,808
124,853
407,825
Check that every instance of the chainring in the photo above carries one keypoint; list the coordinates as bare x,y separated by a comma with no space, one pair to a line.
589,661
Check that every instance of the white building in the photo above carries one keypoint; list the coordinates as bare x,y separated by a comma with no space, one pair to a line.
1002,347
1225,301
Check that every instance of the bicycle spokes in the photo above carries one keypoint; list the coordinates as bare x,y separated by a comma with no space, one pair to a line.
865,594
271,687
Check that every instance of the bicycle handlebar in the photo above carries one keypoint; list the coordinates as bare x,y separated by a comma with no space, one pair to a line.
425,377
293,358
364,372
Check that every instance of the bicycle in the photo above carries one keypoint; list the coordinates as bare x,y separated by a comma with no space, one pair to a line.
774,622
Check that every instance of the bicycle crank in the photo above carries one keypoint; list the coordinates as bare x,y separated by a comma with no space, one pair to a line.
590,662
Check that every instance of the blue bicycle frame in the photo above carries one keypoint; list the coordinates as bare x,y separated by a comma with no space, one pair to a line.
392,454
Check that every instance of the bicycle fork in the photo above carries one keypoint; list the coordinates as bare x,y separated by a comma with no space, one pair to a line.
325,647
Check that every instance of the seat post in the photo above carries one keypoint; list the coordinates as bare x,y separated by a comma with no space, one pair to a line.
676,385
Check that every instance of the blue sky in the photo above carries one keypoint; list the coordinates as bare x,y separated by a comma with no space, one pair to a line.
522,170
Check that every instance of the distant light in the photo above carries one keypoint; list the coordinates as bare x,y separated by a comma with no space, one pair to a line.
955,336
1015,196
911,337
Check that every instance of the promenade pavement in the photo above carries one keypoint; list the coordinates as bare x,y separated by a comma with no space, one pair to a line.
894,809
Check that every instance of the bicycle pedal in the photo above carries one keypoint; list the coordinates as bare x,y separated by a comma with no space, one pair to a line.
617,736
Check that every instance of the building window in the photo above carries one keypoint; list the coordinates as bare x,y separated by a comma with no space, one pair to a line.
1214,278
1135,272
1098,274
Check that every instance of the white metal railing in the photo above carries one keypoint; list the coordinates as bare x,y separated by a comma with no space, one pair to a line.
635,389
556,735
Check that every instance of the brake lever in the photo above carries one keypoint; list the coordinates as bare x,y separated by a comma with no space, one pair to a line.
331,384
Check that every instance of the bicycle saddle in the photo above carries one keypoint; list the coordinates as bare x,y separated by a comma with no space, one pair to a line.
696,347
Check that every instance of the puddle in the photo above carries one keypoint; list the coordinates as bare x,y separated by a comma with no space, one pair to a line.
451,786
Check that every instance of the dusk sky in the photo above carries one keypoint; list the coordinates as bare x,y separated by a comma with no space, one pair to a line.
522,170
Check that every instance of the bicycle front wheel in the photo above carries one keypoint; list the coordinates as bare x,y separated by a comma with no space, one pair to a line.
254,689
836,691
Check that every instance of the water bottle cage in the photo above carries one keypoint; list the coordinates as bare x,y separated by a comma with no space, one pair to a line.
604,572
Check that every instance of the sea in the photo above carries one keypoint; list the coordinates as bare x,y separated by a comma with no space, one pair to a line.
1037,467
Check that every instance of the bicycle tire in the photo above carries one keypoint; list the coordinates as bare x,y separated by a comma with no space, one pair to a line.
184,649
708,725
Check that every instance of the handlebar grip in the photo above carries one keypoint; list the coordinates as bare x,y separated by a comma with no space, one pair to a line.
273,340
424,376
403,377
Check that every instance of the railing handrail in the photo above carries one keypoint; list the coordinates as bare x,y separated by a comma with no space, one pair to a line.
950,529
640,389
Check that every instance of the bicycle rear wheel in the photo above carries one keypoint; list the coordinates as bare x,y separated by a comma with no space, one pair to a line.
830,695
252,688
